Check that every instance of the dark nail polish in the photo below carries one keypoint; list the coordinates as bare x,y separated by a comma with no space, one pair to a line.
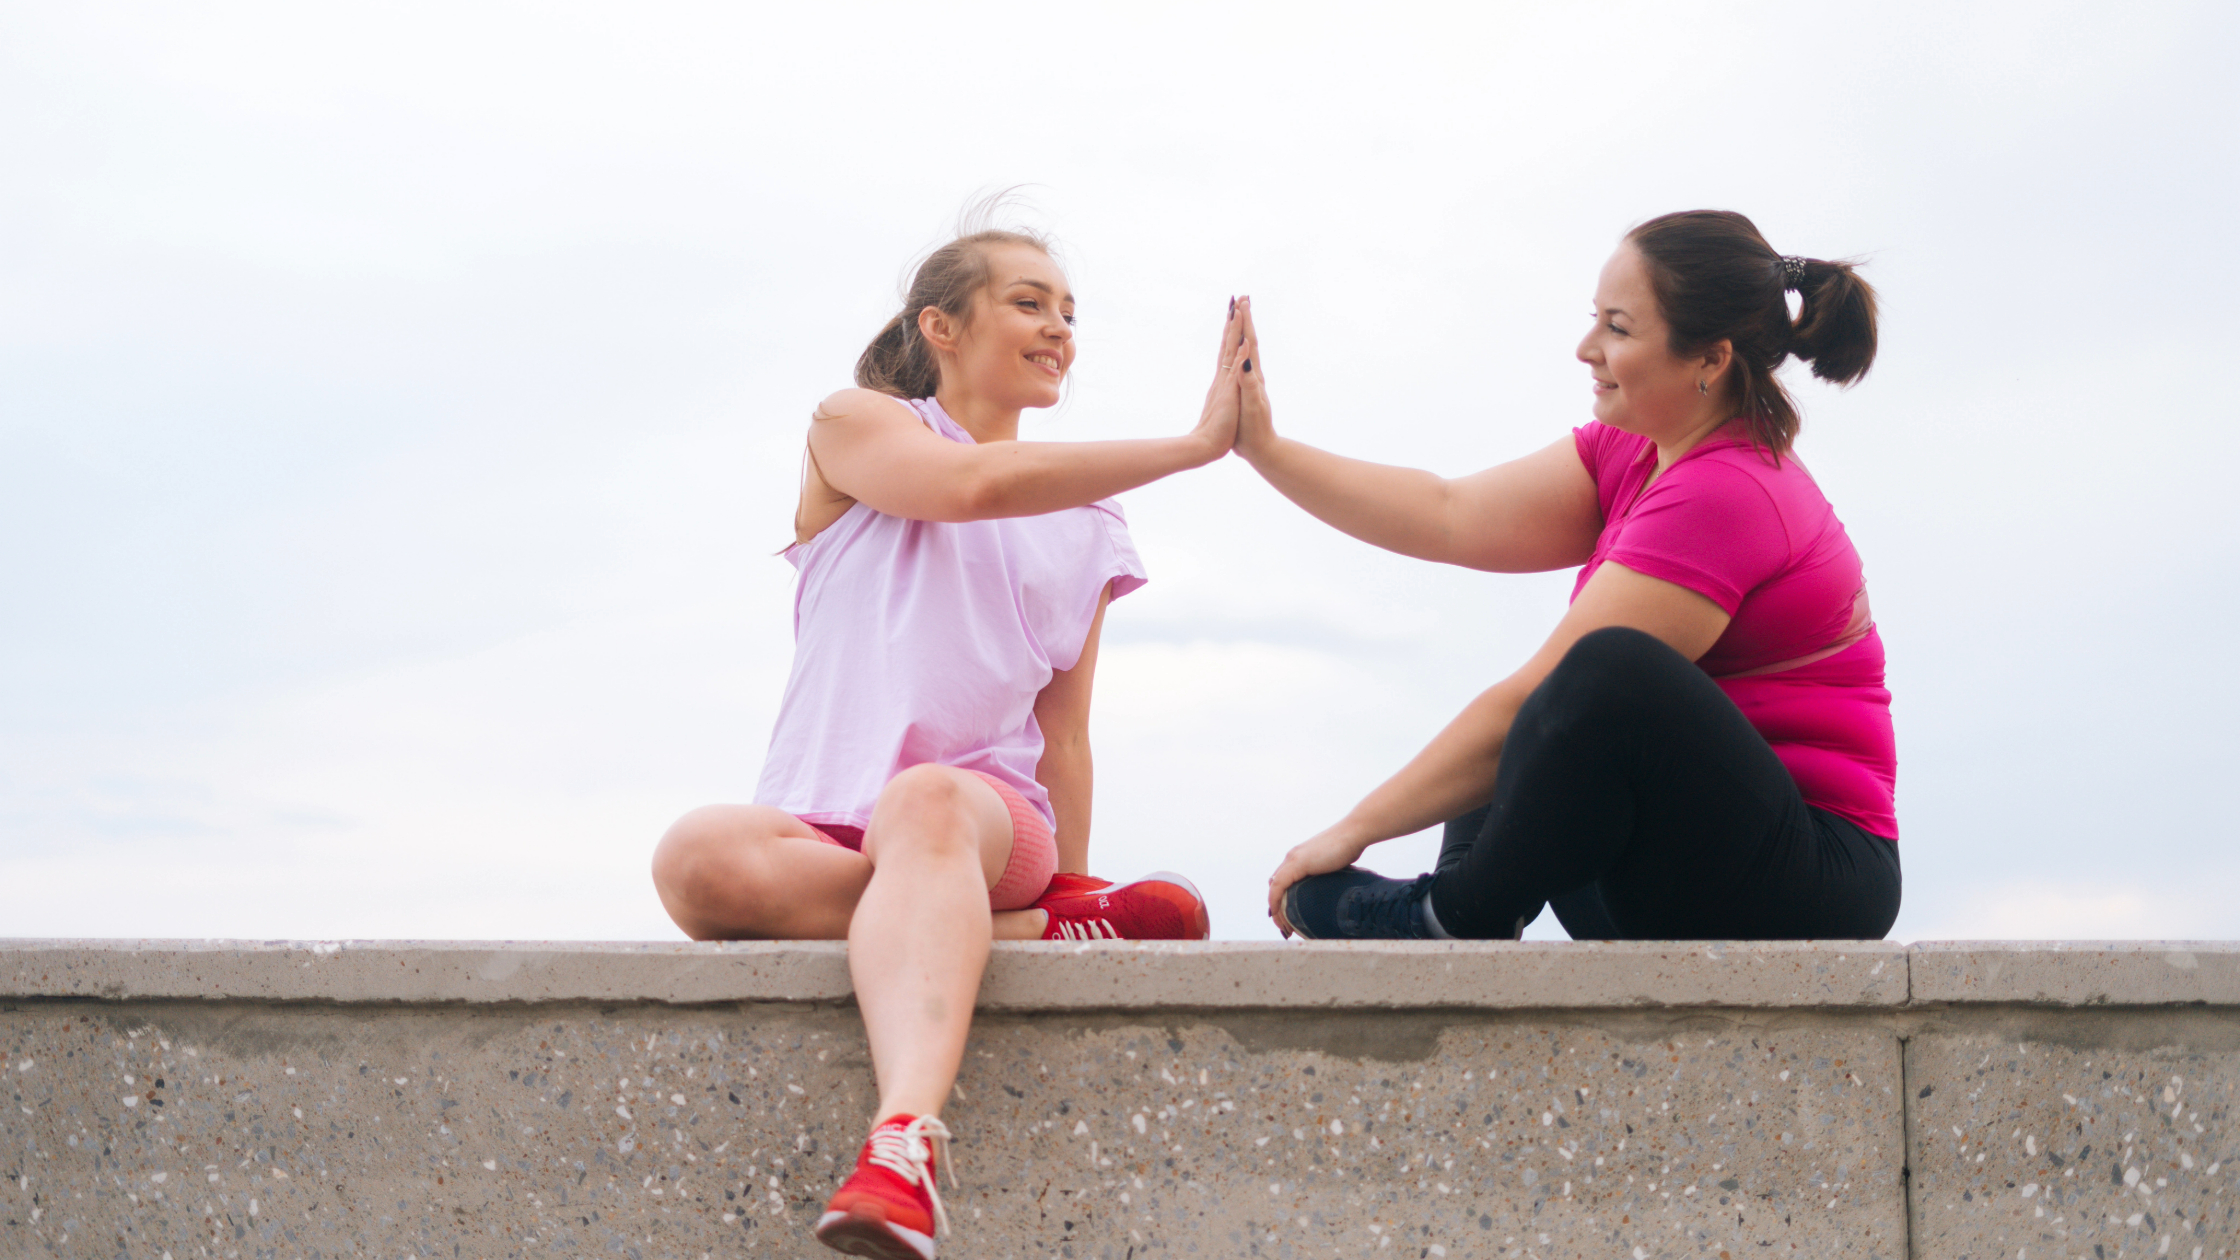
1232,308
1248,365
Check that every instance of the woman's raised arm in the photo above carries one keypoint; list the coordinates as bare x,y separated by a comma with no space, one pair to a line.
1525,516
872,448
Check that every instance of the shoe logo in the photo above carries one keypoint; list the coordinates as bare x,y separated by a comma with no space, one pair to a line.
1103,902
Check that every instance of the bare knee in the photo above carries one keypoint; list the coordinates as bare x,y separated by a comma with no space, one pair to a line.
704,871
929,809
686,849
926,789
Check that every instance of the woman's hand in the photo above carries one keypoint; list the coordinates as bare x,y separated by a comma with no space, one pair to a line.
1324,853
1217,424
1256,424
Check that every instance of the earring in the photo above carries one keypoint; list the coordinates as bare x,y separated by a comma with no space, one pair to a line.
1703,389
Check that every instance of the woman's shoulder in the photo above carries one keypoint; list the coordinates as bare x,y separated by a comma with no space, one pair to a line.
1743,487
1782,480
859,404
1601,446
1726,479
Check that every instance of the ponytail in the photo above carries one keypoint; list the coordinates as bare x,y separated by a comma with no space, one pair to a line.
899,362
1835,328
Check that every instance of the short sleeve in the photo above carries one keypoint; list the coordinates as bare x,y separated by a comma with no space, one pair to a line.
1125,571
1094,552
1608,454
1708,526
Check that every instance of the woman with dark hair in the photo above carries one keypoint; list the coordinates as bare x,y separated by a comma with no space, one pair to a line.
1702,748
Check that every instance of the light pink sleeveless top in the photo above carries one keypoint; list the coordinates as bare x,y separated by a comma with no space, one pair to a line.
928,641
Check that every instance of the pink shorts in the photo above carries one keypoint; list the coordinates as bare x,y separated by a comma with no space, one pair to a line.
1034,851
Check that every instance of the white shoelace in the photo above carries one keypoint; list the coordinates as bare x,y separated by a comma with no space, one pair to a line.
904,1151
1087,930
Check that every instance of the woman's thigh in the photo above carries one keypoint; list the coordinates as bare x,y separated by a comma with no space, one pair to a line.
1629,775
1723,843
731,872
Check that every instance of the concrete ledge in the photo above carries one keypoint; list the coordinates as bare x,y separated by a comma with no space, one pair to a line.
426,971
1834,1099
1052,976
2078,973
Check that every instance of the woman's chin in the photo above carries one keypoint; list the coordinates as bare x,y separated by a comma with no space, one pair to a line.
1613,411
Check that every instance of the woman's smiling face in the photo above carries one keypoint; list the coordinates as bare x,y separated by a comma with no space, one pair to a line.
1019,345
1640,386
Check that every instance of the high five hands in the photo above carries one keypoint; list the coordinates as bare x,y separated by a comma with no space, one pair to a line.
1236,411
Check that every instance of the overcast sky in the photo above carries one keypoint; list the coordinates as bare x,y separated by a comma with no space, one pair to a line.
400,409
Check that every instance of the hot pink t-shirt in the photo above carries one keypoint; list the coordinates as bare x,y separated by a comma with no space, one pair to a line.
922,642
1761,542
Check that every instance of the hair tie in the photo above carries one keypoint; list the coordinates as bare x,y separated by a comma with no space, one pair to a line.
1792,271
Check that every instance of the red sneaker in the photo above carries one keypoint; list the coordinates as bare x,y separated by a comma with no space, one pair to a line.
1065,885
888,1208
1162,906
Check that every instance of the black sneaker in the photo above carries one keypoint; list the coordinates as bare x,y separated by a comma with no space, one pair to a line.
1354,904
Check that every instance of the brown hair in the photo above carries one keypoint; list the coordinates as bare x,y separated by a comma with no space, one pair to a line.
1716,278
898,361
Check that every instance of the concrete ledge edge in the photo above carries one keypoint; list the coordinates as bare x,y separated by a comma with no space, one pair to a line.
1121,975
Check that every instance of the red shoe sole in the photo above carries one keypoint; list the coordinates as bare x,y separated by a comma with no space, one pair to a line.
1196,925
855,1234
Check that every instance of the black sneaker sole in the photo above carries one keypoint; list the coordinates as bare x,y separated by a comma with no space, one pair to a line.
1291,915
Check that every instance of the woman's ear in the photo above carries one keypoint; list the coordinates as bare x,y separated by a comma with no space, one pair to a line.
938,330
1715,360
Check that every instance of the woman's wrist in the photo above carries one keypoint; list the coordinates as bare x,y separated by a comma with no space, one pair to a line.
1354,833
1261,453
1201,449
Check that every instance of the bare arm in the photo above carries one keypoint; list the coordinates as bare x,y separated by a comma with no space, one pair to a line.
872,448
1525,516
1454,773
1065,771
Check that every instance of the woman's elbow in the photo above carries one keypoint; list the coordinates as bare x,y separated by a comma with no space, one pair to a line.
1063,755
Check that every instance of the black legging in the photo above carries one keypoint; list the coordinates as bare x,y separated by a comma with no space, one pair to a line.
1635,797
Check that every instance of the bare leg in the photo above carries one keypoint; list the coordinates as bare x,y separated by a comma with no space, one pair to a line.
938,841
746,872
750,872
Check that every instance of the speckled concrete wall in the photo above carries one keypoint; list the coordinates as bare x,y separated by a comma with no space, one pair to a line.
2107,1134
141,1130
1958,1101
